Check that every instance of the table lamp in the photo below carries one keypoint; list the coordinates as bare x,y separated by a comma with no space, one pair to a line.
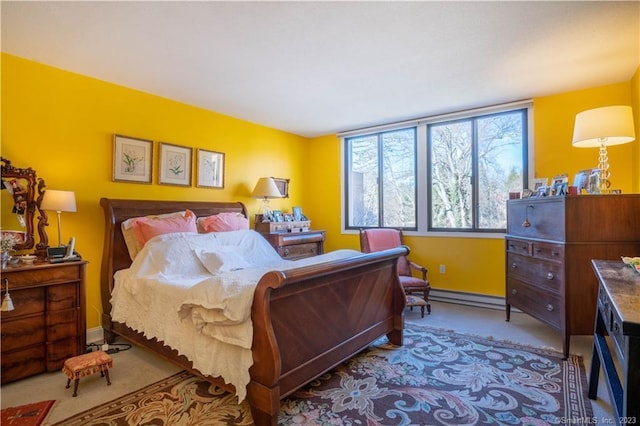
60,201
266,188
602,127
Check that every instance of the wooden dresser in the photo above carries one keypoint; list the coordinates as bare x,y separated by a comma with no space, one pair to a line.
297,245
550,242
48,324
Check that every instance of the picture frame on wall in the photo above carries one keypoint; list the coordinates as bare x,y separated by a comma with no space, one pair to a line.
132,159
283,186
210,169
174,164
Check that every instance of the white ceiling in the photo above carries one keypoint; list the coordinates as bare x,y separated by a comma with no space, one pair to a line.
316,68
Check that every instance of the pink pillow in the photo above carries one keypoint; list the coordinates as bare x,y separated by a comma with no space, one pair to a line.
146,228
222,222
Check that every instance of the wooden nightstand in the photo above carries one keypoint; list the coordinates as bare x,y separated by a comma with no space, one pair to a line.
297,245
48,324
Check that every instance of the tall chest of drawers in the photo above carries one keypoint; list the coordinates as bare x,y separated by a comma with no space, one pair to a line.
550,243
48,324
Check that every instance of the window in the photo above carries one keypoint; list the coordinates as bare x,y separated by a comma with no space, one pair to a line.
449,174
381,179
473,164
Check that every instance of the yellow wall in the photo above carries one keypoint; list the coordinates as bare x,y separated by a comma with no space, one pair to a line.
553,131
477,264
635,103
61,124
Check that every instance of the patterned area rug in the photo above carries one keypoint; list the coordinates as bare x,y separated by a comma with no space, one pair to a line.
436,378
26,415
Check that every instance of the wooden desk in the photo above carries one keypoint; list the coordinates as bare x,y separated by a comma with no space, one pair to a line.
618,316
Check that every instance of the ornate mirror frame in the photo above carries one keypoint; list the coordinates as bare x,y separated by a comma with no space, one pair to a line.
34,192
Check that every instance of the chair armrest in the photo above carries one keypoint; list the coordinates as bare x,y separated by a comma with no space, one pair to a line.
414,266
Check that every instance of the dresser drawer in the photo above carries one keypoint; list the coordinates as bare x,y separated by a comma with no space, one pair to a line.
538,272
542,305
59,351
45,274
545,218
23,332
519,246
26,301
297,245
615,331
64,296
23,363
612,322
63,324
298,251
549,251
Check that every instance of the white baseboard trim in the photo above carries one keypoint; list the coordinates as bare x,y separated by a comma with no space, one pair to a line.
95,335
470,299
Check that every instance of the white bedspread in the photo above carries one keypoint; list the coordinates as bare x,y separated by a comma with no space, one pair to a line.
194,292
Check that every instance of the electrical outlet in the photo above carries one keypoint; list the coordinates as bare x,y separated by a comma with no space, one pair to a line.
443,269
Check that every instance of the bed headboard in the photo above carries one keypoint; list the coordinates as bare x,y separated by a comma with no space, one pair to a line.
115,255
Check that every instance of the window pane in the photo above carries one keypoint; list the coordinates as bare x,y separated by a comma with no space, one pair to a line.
399,178
363,181
500,165
451,172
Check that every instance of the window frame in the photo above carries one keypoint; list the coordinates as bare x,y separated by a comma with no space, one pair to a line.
346,181
422,191
473,119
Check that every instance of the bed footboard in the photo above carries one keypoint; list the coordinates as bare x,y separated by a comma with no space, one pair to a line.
308,320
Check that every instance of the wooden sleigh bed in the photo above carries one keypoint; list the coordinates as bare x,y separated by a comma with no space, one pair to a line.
350,302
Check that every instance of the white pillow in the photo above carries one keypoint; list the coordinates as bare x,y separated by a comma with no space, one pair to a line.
223,259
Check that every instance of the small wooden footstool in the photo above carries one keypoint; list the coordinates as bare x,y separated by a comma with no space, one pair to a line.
86,365
417,301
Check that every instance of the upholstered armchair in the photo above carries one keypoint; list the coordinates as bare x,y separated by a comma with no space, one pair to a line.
377,239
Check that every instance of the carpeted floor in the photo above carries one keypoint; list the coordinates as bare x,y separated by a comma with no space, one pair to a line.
437,377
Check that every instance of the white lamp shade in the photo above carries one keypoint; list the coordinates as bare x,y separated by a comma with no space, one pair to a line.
60,201
611,125
266,188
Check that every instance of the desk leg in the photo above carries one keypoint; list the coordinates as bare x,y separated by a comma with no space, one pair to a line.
631,405
594,376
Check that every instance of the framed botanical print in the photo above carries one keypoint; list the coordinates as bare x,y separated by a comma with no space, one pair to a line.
132,159
210,169
174,164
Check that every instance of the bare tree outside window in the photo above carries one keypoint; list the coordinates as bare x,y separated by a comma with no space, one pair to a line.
382,179
475,163
467,169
